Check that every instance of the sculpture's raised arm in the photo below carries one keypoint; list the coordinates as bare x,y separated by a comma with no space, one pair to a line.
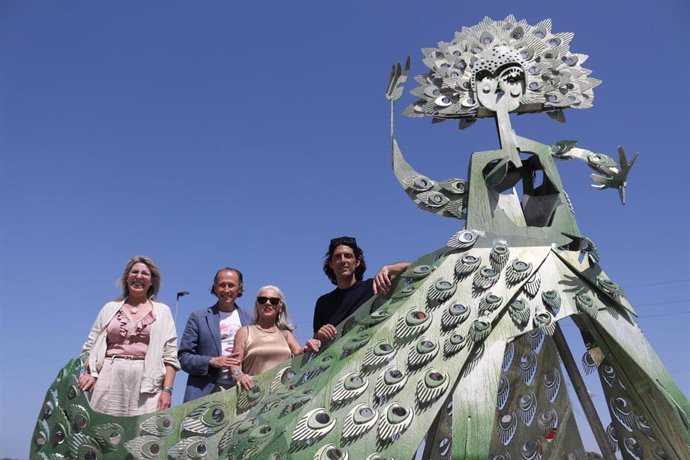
607,173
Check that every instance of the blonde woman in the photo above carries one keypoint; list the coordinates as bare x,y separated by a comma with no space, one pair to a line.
132,347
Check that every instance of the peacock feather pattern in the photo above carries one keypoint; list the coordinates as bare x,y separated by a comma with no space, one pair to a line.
466,353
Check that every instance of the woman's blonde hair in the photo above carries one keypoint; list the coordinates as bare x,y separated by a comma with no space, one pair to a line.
155,276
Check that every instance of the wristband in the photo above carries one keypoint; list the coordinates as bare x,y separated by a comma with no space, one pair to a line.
236,373
168,389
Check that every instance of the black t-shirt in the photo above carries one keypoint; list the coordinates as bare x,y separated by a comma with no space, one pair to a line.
334,307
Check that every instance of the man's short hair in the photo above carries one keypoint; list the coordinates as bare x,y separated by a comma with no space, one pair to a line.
359,255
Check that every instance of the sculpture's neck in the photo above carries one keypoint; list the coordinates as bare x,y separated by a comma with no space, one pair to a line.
507,136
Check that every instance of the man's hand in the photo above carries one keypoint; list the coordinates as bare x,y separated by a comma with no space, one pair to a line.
327,332
224,361
385,276
382,281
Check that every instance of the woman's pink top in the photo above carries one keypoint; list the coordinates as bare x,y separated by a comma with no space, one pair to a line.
127,336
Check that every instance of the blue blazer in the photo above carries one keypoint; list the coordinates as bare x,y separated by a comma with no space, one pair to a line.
200,342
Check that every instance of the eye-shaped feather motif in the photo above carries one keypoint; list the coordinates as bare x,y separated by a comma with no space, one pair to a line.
406,291
588,363
612,437
440,291
354,343
609,287
158,425
59,428
149,447
489,304
49,405
552,384
480,329
485,277
412,325
109,435
548,420
519,312
283,377
42,433
466,265
585,303
507,425
498,257
608,373
455,314
632,447
535,338
331,452
527,367
454,186
315,424
422,353
644,427
390,382
463,239
240,428
517,271
552,300
375,317
192,448
527,408
621,410
454,344
249,398
433,199
531,450
297,400
508,356
503,392
79,417
431,387
359,421
395,420
349,387
418,183
544,320
378,355
82,447
532,285
418,272
208,418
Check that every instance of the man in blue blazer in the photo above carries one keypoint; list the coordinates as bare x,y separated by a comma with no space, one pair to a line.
206,345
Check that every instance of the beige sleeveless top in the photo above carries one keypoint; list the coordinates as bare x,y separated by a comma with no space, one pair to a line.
264,350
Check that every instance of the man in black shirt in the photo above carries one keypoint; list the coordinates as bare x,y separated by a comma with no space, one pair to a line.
344,265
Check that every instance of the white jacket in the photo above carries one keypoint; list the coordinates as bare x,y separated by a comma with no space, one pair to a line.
162,344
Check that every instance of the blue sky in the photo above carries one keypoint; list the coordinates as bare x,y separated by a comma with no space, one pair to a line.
248,134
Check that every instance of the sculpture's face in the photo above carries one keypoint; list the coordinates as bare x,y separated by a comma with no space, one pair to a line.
503,90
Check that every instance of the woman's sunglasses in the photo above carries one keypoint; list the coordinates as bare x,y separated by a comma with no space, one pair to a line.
262,300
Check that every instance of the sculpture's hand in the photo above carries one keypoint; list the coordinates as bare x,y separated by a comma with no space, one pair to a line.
397,80
612,176
608,174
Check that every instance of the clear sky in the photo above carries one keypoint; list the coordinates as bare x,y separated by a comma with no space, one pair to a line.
242,133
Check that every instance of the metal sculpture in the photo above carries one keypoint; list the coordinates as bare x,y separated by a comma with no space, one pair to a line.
466,353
